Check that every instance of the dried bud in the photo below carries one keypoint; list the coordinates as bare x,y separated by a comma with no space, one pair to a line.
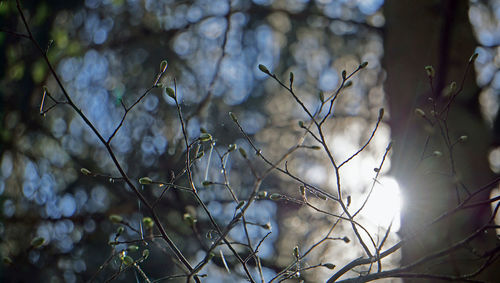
348,200
145,181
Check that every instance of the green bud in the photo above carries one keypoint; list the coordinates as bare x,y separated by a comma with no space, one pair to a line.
316,147
240,204
189,219
37,242
200,154
329,265
437,153
419,112
163,66
86,171
120,230
275,196
132,248
430,71
243,152
148,222
205,137
145,181
302,190
233,117
145,253
127,260
170,92
206,183
115,218
263,69
363,65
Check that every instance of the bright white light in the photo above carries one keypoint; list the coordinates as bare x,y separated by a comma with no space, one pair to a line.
384,204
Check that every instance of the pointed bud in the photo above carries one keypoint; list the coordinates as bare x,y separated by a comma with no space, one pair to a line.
348,84
329,265
348,200
163,66
206,183
145,181
291,78
86,171
37,242
120,230
170,92
344,74
240,204
115,218
145,253
321,96
233,117
263,69
205,137
381,113
363,65
243,152
419,112
302,190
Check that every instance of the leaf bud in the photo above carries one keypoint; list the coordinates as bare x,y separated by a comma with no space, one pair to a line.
275,196
363,65
419,112
148,222
115,218
163,66
145,253
263,69
329,265
145,181
205,137
170,92
430,71
473,57
243,152
85,171
127,260
37,242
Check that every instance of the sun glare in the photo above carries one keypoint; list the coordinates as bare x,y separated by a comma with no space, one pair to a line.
384,204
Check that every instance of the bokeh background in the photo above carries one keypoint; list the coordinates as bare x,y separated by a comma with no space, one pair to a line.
110,50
